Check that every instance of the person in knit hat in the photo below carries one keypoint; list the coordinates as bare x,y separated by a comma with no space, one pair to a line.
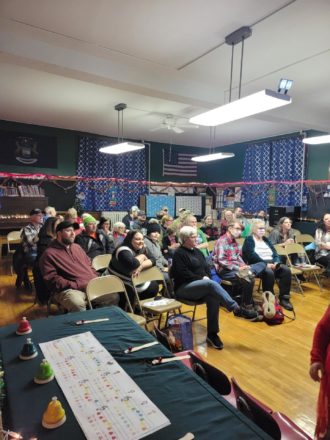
94,241
152,243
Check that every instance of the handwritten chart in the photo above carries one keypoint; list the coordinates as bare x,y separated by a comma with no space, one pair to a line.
107,403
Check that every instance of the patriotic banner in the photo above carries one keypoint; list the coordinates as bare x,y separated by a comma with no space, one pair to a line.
178,164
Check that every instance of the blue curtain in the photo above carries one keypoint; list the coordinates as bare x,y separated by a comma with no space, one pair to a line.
108,195
256,169
287,164
279,160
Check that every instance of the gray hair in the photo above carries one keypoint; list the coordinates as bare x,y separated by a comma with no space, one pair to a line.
257,224
118,225
186,232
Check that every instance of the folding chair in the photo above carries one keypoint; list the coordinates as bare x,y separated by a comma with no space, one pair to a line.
289,430
304,238
240,240
101,262
102,286
163,305
294,270
211,245
257,412
307,268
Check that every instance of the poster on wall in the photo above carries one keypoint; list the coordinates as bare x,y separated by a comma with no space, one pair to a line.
195,204
31,150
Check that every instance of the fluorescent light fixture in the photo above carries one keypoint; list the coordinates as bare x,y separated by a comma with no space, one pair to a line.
250,105
315,140
123,147
213,156
284,85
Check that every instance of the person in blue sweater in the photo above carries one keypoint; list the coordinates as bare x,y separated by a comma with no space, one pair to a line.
257,248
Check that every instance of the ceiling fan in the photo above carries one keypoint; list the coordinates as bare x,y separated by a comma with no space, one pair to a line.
171,123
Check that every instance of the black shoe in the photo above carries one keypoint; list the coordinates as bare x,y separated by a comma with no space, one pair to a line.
214,340
285,303
246,313
27,285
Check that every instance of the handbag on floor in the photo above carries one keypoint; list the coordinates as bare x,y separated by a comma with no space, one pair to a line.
177,336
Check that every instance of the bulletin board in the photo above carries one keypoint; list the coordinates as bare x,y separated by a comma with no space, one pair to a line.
195,204
154,203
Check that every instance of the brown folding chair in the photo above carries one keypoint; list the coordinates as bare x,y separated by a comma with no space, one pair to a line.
154,308
308,268
101,262
295,271
103,286
304,238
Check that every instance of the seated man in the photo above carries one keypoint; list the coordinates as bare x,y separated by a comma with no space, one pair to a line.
94,241
26,256
227,258
66,270
130,218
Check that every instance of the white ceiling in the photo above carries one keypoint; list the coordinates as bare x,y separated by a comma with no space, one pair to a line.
67,63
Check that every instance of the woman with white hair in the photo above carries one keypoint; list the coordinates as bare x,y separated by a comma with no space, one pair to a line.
192,281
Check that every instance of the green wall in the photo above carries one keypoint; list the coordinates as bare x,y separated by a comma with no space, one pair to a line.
228,170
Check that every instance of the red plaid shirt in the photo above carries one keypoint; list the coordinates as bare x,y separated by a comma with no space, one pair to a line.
227,254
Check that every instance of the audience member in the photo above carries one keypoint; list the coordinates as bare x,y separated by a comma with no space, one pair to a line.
201,242
228,217
165,222
49,211
283,233
210,230
320,372
46,235
322,241
239,216
170,243
177,223
151,242
191,275
119,233
230,266
140,223
26,254
130,218
257,248
66,270
105,225
72,216
94,241
129,259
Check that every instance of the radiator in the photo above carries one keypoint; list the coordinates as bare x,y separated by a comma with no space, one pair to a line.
114,216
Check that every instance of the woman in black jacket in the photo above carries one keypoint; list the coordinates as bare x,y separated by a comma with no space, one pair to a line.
129,259
257,248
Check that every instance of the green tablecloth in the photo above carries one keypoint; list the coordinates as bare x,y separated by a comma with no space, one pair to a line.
189,403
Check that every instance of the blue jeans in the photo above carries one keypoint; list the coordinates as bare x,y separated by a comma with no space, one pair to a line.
213,294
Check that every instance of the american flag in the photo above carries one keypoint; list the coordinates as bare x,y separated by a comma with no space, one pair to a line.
178,164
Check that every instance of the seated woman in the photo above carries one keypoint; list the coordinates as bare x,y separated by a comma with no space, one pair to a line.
165,222
119,233
227,217
170,243
191,275
210,230
322,241
283,233
47,234
129,259
105,225
257,248
151,241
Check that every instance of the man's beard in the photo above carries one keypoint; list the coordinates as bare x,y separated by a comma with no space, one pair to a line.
67,240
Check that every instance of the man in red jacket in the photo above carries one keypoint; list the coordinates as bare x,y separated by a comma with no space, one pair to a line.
66,270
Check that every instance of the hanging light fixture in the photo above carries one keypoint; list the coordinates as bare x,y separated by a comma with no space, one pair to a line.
316,140
121,146
243,107
212,154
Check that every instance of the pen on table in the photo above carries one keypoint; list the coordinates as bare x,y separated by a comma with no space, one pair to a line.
90,321
140,347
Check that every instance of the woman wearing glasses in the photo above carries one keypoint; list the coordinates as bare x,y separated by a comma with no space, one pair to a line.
257,248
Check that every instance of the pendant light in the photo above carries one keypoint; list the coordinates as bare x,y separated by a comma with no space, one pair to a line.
121,147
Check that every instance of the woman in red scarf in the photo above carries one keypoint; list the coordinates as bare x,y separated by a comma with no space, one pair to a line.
320,372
